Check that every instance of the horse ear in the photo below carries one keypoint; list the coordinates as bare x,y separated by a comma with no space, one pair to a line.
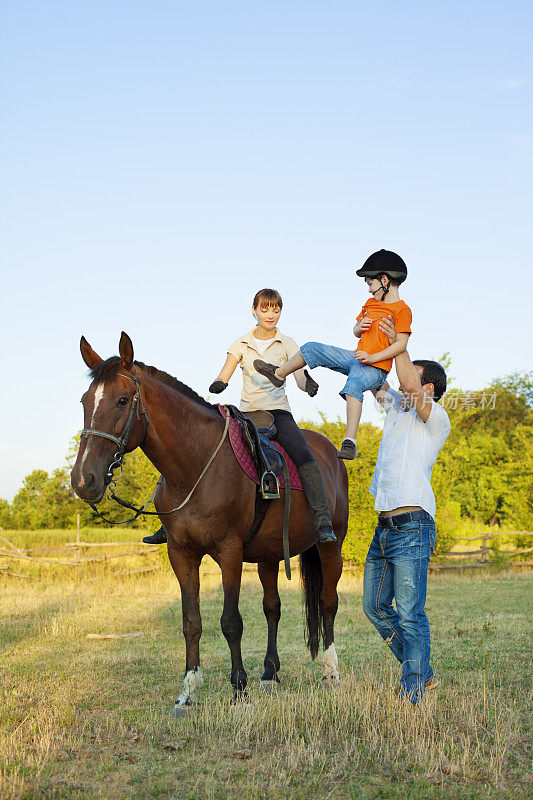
87,353
125,349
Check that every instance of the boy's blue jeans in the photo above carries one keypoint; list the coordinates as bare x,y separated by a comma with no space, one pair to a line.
397,567
361,377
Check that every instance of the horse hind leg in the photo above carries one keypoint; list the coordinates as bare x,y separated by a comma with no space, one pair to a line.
230,562
329,602
268,575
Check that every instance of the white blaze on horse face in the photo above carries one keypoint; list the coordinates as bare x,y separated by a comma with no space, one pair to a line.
98,395
331,662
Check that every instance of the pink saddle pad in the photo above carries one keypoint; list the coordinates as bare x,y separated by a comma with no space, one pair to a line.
246,462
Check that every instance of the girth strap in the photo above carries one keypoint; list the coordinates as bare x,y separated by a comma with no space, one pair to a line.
286,515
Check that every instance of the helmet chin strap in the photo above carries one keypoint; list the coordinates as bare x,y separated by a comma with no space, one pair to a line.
385,290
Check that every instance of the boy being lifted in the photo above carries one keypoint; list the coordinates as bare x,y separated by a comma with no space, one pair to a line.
369,365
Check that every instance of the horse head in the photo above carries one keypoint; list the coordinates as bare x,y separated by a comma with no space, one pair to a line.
112,419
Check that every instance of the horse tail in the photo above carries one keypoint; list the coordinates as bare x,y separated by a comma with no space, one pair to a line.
311,575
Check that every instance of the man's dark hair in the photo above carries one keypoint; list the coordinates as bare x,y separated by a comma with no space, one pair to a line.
433,372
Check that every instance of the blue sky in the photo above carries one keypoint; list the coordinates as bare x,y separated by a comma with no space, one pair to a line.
161,162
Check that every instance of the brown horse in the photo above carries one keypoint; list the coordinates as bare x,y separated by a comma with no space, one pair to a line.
179,432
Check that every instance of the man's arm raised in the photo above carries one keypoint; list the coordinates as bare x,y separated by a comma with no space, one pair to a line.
408,374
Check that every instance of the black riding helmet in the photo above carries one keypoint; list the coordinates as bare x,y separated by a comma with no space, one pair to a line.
384,262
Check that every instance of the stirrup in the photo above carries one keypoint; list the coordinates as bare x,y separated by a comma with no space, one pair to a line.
269,486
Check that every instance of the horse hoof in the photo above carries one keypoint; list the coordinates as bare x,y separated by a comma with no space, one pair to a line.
329,681
268,687
180,711
240,700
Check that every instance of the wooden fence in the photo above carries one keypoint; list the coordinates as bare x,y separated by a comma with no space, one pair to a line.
78,553
487,555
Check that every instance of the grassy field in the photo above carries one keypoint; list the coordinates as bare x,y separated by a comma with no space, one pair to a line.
89,718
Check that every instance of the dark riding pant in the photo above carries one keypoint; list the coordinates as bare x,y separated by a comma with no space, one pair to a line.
291,437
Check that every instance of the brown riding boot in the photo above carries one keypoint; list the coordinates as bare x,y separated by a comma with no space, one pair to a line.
315,492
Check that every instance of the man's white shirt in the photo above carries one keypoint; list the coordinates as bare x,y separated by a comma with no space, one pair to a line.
409,448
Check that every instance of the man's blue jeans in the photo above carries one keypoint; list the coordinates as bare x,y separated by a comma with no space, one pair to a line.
397,567
361,377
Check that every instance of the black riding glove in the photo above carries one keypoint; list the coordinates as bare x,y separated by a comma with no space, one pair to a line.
217,387
311,386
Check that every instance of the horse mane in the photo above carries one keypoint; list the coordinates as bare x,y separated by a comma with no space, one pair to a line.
110,367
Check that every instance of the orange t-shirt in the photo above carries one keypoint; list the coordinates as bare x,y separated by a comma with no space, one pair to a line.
373,340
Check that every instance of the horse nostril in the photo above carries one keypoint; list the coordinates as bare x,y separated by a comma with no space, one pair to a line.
89,479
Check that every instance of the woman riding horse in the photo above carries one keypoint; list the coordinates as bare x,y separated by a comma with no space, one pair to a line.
258,394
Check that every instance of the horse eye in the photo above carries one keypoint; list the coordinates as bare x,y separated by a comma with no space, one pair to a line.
122,401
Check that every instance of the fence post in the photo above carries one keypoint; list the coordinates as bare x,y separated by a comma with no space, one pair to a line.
483,557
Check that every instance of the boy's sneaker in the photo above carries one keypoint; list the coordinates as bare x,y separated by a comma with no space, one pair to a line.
348,450
269,371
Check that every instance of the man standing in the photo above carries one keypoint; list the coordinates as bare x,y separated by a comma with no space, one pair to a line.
415,429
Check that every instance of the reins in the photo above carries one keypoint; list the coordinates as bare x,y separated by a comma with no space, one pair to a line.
117,462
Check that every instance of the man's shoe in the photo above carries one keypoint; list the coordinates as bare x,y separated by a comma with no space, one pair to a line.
432,683
325,534
159,537
269,371
348,450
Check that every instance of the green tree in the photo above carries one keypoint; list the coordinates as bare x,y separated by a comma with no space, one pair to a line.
6,517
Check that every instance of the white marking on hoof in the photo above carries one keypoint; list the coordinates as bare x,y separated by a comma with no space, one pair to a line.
268,686
181,711
331,662
192,683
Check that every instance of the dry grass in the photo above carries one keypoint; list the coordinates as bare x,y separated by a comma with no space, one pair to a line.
90,718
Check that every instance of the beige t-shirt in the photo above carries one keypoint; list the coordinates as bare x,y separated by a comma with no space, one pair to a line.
258,394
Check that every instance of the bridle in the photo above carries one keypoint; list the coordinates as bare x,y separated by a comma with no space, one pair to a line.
137,406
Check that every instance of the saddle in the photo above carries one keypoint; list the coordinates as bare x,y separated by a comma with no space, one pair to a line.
258,428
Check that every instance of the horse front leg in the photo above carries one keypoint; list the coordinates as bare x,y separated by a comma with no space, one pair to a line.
268,575
230,562
331,561
187,570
